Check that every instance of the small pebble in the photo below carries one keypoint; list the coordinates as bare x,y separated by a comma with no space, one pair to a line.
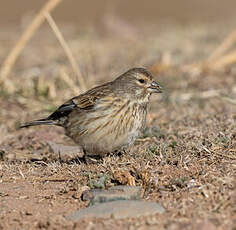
119,210
121,192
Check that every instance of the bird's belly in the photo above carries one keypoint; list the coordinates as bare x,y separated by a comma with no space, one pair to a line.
97,144
107,134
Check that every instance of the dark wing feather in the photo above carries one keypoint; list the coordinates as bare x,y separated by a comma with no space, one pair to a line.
84,101
63,110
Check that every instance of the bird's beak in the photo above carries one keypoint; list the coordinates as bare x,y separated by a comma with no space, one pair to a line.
155,88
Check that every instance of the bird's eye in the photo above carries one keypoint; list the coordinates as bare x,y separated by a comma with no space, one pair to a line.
141,80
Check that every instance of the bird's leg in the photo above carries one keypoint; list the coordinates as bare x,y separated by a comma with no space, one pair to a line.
59,157
125,151
90,159
122,151
117,153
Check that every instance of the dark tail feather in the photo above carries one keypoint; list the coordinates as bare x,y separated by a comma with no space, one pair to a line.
56,118
39,122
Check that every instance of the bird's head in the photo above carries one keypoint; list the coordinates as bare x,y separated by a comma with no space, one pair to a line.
137,83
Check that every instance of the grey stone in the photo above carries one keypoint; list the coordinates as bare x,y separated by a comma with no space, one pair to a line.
119,210
66,151
121,192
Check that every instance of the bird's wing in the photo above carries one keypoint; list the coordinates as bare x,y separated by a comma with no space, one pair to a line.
89,99
81,102
84,101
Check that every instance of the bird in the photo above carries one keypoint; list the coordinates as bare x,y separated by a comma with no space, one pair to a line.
109,117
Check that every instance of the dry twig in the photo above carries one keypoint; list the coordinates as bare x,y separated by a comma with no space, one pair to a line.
229,40
218,154
217,60
66,78
67,50
222,62
25,37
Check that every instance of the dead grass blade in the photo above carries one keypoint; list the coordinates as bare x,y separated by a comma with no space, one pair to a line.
224,155
66,78
219,154
223,61
218,59
67,50
225,45
25,37
230,100
163,65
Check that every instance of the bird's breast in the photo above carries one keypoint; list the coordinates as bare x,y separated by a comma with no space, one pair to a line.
109,126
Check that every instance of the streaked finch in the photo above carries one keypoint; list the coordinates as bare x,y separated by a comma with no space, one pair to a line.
108,117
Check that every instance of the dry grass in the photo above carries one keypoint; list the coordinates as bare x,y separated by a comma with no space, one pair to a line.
25,37
218,60
70,57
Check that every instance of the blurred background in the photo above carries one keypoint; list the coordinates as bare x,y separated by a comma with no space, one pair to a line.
108,37
83,13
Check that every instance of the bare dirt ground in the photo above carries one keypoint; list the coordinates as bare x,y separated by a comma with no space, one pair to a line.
185,160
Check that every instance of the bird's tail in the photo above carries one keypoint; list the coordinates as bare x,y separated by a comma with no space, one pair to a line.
39,122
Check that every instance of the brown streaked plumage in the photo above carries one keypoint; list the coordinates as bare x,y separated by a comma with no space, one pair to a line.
107,117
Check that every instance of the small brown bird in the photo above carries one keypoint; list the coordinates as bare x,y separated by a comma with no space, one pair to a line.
108,117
